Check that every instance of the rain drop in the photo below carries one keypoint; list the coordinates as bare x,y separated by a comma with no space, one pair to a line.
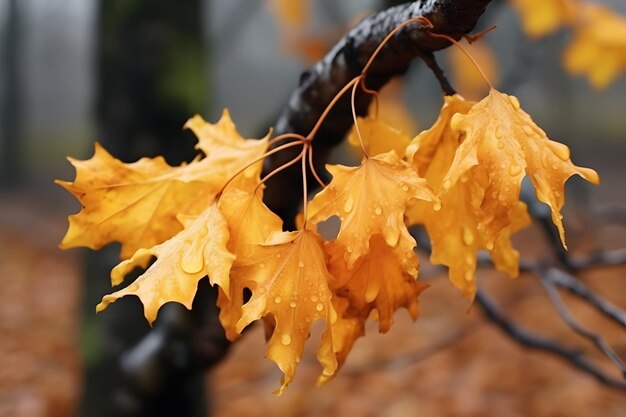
301,264
319,307
514,102
469,276
468,236
378,211
515,170
277,300
261,290
500,144
285,339
561,150
292,304
437,206
405,187
262,265
447,184
347,207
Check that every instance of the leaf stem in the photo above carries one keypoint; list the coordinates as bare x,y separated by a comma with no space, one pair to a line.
259,159
329,107
286,165
356,124
312,167
471,58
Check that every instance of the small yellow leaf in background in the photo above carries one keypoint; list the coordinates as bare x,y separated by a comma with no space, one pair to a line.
288,279
501,139
598,49
378,137
291,13
371,199
542,17
466,77
182,261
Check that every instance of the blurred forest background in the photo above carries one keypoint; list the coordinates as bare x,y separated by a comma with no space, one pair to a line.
129,73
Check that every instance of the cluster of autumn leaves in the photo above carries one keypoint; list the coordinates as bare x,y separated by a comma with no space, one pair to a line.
460,179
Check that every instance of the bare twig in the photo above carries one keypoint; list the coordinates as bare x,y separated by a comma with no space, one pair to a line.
578,288
568,318
535,341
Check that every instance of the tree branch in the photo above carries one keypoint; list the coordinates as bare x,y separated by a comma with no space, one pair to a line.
345,61
535,341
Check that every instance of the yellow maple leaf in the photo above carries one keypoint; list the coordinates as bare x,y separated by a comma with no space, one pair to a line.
377,281
250,224
348,327
197,251
455,231
137,203
506,144
598,49
378,137
371,199
227,152
288,279
542,17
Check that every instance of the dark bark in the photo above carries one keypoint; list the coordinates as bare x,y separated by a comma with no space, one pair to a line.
150,79
345,61
10,152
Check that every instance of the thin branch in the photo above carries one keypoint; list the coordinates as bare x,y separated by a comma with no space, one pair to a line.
568,318
579,289
526,338
446,87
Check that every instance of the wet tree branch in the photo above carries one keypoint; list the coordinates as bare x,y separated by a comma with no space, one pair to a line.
345,61
535,341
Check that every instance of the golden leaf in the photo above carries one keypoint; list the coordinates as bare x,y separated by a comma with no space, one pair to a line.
432,151
289,283
598,49
377,281
503,141
227,151
371,199
378,137
542,17
198,250
348,327
250,224
291,13
466,76
455,231
137,203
